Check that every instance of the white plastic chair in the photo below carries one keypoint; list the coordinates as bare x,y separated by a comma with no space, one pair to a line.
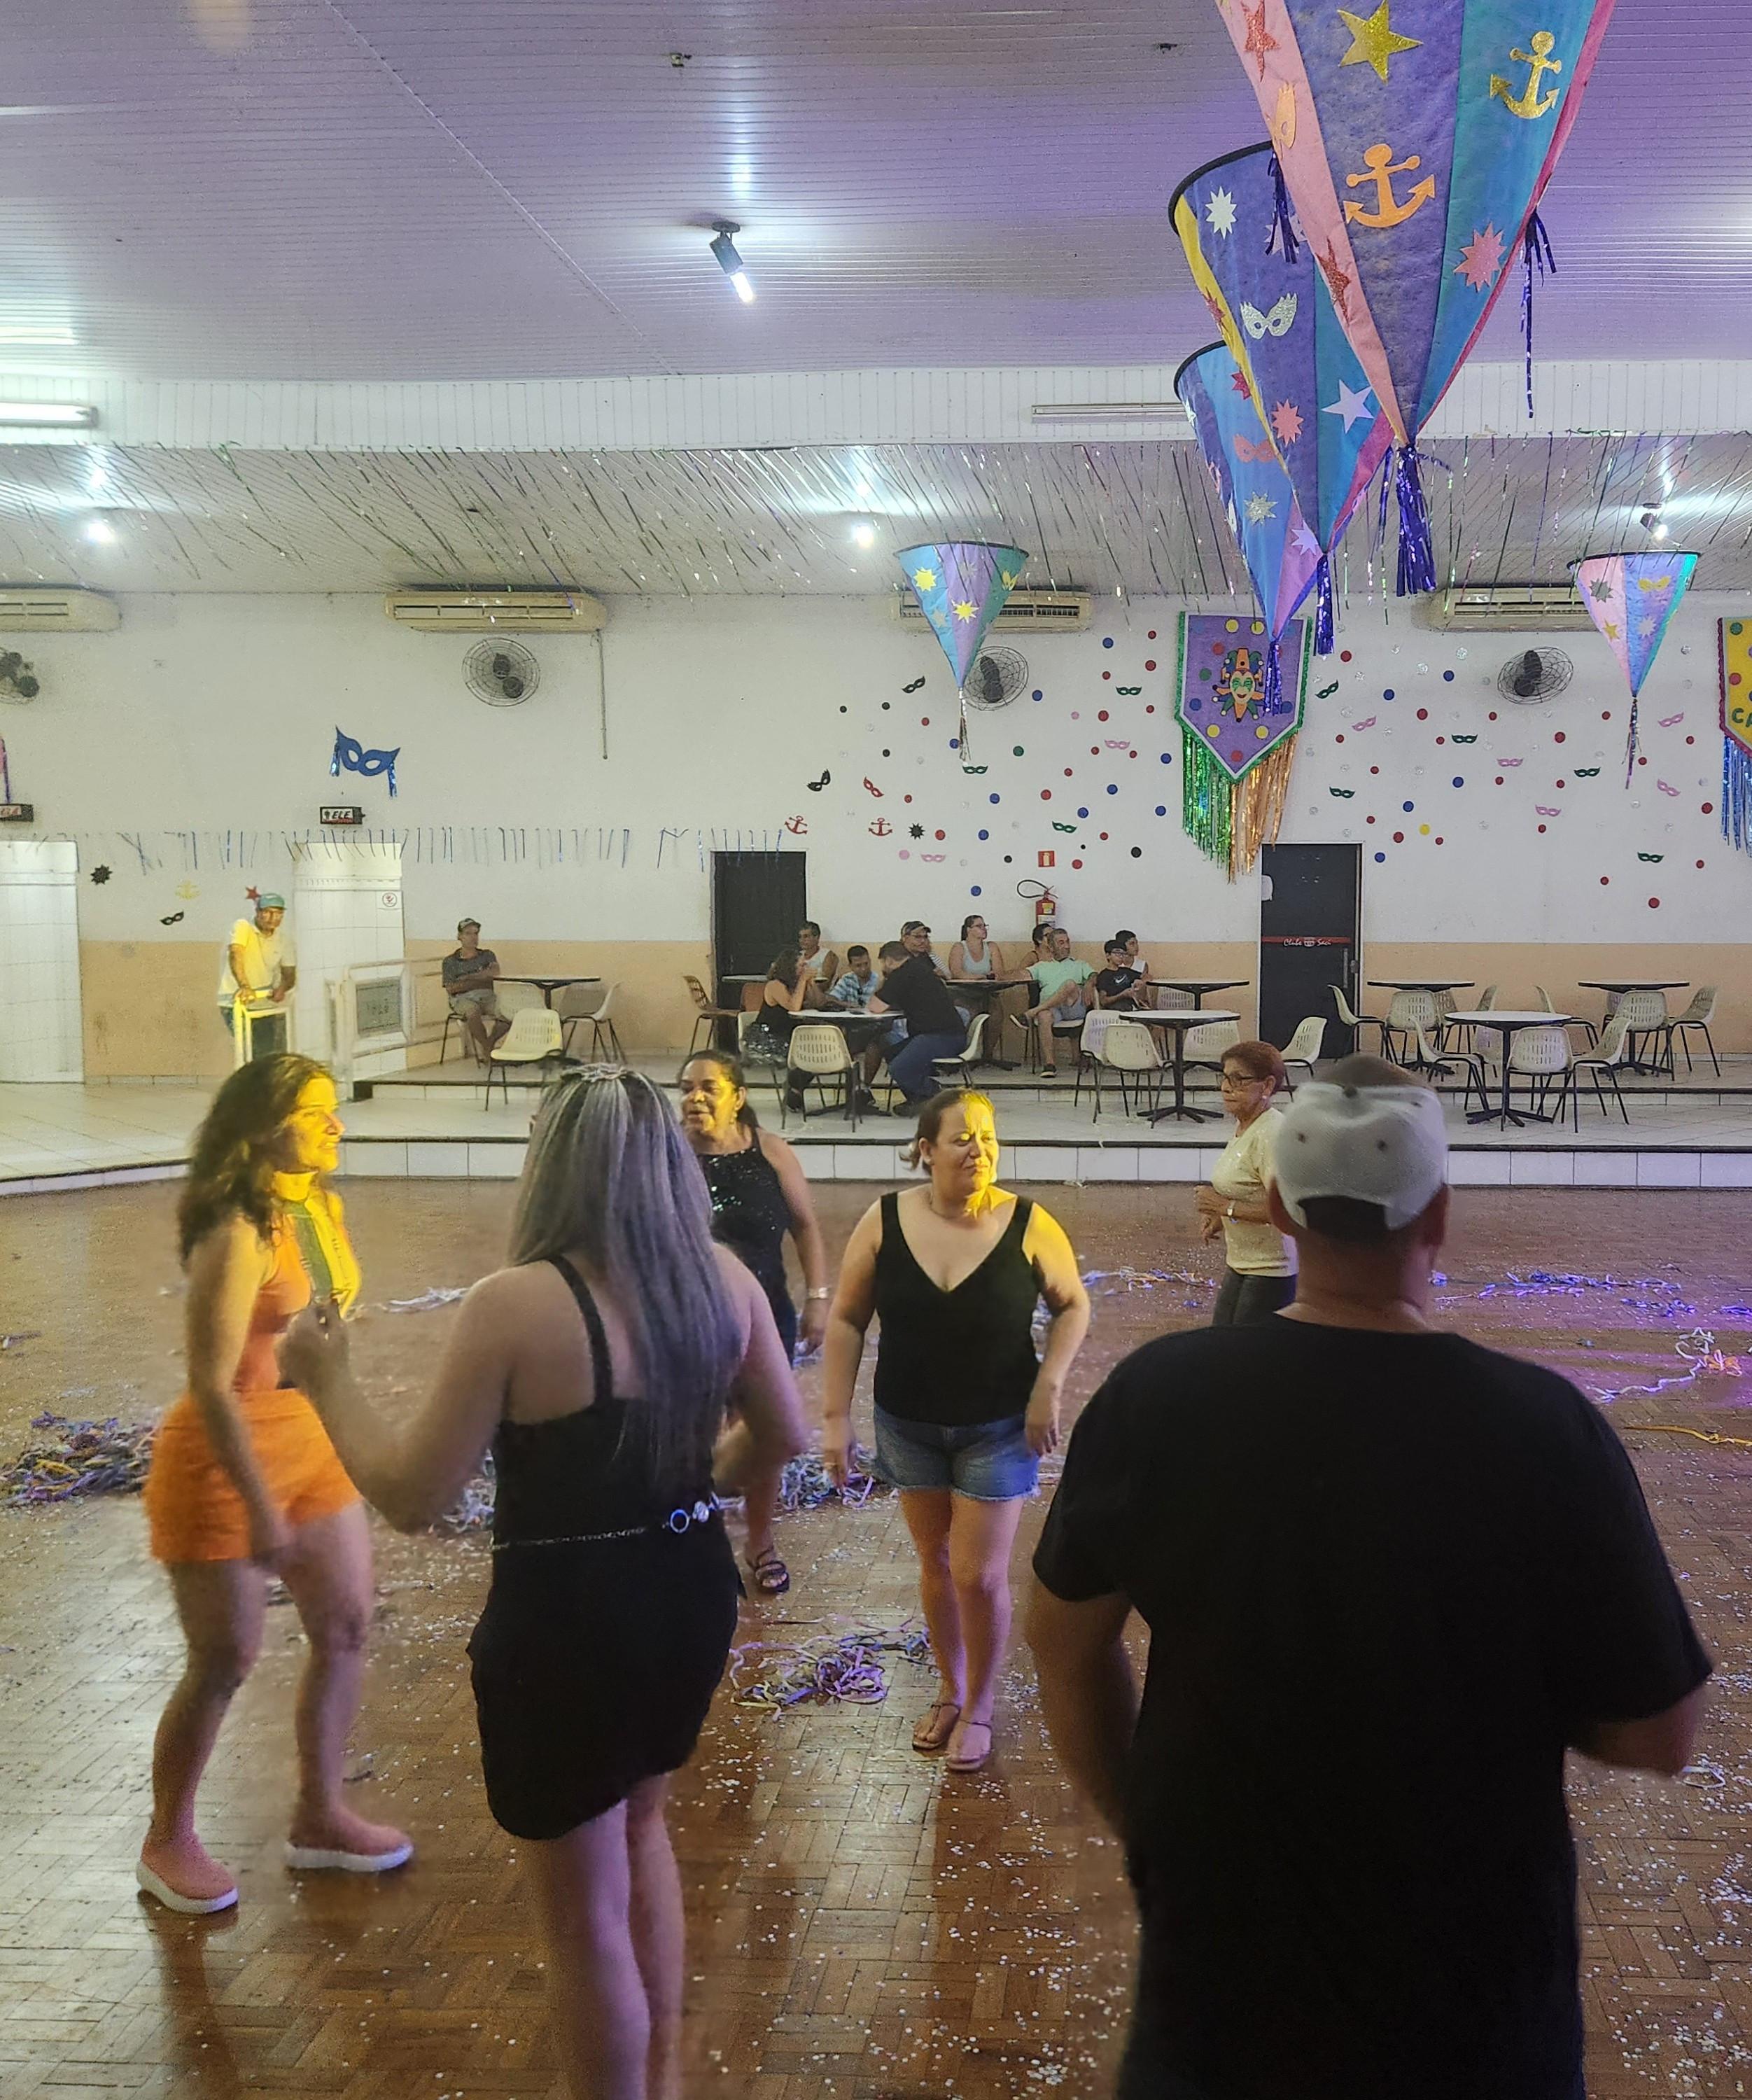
1094,1034
959,1068
1643,1013
581,1004
1348,1017
1407,1012
1170,998
534,1037
1699,1014
1609,1059
1546,1006
1538,1055
1205,1046
1440,1061
818,1054
1304,1046
1128,1048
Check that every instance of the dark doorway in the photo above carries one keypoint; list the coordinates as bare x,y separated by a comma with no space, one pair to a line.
758,902
1309,934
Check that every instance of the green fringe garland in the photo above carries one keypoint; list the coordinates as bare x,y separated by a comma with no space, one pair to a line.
1207,802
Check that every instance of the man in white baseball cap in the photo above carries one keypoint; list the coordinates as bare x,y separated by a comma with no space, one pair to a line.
1390,1578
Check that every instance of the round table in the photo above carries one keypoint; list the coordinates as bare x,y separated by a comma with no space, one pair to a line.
1198,986
1511,1022
1422,984
1179,1019
547,985
1621,985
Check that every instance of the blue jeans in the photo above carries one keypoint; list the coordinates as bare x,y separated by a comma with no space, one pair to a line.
910,1066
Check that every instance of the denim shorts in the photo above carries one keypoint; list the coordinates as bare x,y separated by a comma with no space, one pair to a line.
987,1461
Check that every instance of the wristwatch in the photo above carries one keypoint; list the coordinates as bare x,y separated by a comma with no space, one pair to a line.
824,1293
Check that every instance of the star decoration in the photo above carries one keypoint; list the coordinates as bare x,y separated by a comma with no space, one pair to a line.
1611,630
1259,40
1375,40
924,578
100,875
1601,589
1237,379
1305,541
1645,628
251,893
1480,259
1286,422
1352,405
1220,212
965,609
915,831
1259,508
1215,305
1338,280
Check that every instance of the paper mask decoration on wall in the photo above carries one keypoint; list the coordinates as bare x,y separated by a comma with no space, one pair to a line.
961,587
1630,598
1415,154
1270,300
1281,551
1736,645
369,763
1239,745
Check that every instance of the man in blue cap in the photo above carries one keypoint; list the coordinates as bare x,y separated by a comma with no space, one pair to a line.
259,962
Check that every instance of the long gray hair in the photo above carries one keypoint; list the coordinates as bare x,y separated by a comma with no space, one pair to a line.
610,1174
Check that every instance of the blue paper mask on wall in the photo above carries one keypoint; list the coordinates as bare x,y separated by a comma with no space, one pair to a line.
347,753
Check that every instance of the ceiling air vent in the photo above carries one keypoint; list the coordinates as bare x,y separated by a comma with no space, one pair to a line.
1040,611
1510,607
496,612
25,610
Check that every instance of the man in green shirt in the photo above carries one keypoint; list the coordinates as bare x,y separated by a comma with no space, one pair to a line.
1059,983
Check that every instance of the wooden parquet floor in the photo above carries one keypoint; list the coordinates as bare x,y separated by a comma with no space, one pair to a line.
863,1925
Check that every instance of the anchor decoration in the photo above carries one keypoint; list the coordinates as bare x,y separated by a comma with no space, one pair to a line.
879,827
1280,327
797,826
1415,144
961,587
1238,732
1630,598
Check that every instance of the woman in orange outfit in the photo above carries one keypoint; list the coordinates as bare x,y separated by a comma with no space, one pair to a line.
245,1482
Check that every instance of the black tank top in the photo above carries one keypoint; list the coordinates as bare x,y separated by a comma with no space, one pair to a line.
955,1357
578,1476
751,1217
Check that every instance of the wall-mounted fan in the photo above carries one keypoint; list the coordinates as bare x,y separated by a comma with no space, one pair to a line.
504,674
18,679
996,677
1535,675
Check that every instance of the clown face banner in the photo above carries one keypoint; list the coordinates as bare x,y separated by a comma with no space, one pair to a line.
1239,741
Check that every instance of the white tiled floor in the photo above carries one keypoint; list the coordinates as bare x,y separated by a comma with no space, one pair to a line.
48,1133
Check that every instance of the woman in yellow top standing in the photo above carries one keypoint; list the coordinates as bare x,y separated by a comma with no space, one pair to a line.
1259,1275
245,1482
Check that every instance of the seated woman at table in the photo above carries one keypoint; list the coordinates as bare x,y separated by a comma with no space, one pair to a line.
1259,1277
789,987
974,957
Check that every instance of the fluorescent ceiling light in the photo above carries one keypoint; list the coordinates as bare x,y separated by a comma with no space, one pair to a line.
46,415
44,332
100,532
1106,412
724,248
863,533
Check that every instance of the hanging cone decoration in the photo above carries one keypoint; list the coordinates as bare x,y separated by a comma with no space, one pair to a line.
961,586
1630,598
1239,747
1736,645
1414,152
1269,298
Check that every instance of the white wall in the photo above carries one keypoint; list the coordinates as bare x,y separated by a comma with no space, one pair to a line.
39,962
187,750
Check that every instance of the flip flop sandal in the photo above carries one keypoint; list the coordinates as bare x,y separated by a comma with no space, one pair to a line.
315,1858
772,1578
931,1736
155,1884
963,1762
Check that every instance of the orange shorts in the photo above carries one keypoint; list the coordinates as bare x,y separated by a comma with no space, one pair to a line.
194,1512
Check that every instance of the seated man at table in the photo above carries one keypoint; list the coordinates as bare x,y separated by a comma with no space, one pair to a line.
1123,985
469,971
912,989
823,963
1061,985
852,993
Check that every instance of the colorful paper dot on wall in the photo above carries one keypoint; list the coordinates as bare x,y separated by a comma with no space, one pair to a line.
1399,838
1448,676
1150,663
1106,674
1167,758
991,798
939,835
1046,794
1380,856
1407,807
1016,751
1083,813
974,891
1423,714
1111,788
1654,903
1707,809
924,721
1161,809
1387,692
1344,655
1460,780
1076,863
1038,694
1107,641
1605,881
1137,852
985,835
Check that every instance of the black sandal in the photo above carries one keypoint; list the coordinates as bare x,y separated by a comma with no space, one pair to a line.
772,1578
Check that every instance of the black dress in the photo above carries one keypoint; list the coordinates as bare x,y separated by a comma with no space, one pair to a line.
751,1217
610,1617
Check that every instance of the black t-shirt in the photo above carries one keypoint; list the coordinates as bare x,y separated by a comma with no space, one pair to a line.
913,989
1113,984
1386,1577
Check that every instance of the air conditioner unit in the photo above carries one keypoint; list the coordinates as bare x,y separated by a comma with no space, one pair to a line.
1043,611
496,612
1508,607
25,610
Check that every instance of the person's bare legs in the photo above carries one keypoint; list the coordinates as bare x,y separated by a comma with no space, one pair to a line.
759,1503
928,1514
657,1931
1044,1021
221,1604
327,1569
598,1999
981,1536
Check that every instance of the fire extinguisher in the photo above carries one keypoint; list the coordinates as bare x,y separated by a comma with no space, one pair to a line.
1046,907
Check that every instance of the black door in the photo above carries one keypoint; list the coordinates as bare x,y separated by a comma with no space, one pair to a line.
1309,929
758,902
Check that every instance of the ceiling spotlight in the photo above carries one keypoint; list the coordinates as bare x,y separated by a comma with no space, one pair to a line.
100,532
724,248
863,534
